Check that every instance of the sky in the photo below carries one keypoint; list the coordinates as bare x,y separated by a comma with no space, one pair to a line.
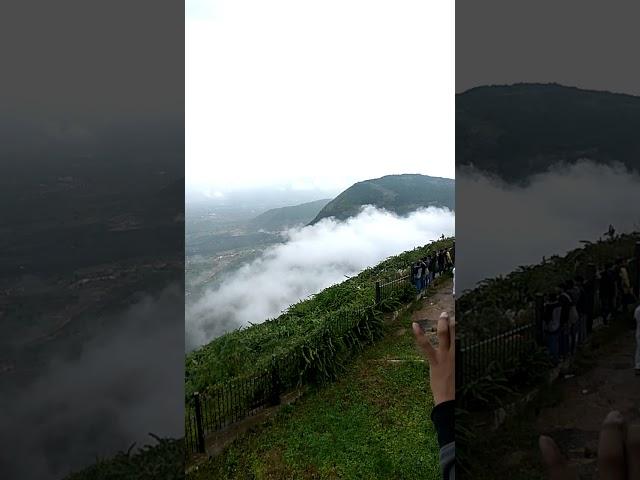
317,94
583,43
77,64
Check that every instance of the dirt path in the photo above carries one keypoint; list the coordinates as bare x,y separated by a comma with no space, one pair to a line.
435,303
587,398
431,306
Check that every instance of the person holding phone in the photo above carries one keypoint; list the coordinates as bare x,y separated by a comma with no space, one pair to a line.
443,387
618,452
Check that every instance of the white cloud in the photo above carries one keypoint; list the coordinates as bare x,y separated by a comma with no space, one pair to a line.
126,381
312,259
505,226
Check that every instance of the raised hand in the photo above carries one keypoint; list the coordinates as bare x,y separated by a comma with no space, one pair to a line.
441,360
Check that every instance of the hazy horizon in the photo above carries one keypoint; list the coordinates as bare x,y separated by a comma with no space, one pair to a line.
296,189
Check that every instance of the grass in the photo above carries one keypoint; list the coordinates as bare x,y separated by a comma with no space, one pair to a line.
371,423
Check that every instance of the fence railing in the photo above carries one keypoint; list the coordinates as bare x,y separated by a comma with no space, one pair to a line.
390,288
472,361
226,403
473,357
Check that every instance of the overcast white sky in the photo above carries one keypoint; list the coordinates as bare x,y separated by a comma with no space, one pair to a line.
317,93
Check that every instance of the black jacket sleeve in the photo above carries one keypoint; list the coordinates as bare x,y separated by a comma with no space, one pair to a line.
443,418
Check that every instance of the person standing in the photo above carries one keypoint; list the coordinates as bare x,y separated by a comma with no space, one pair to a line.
427,263
636,315
417,276
565,322
606,293
617,282
580,301
574,317
435,265
627,293
552,328
425,272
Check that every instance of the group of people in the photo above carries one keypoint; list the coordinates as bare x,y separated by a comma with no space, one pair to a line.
425,270
568,315
567,320
615,289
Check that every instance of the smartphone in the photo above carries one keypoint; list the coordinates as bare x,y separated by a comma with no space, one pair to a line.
426,325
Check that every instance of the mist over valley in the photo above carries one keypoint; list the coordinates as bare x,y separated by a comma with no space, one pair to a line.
239,273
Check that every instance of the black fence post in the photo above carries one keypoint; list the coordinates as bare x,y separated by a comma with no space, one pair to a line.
591,295
459,365
274,398
539,318
199,427
637,279
378,293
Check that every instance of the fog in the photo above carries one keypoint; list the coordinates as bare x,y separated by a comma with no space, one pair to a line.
503,226
124,383
311,259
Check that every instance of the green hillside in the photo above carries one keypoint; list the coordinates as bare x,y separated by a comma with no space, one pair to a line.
519,130
373,422
278,219
400,194
249,350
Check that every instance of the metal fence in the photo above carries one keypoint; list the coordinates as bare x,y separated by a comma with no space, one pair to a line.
472,361
473,358
388,289
226,403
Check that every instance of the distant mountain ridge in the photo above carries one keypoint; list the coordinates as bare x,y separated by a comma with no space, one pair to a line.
278,219
514,131
400,194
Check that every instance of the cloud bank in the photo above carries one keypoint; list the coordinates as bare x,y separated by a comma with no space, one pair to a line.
501,227
312,259
124,383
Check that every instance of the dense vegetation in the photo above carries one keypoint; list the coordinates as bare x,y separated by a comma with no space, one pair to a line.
249,350
373,423
278,219
495,304
165,460
400,194
494,128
